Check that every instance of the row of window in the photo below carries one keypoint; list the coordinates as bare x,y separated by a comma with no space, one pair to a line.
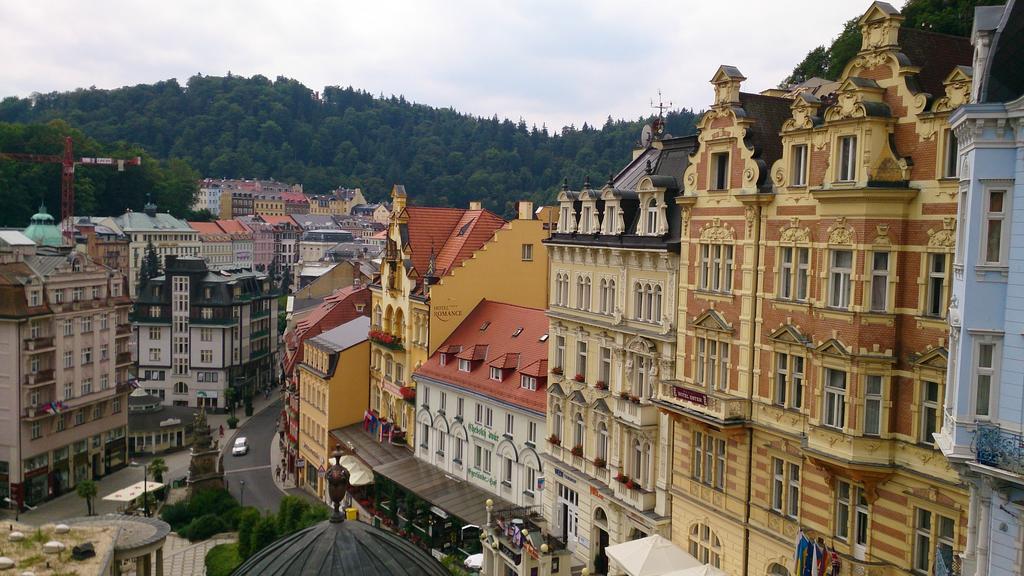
483,414
592,222
647,297
638,462
637,368
35,297
78,417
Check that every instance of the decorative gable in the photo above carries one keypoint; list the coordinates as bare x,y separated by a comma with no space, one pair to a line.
879,27
935,358
805,111
712,320
858,98
833,347
727,80
958,89
789,334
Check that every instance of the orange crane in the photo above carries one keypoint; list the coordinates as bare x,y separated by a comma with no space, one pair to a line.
67,180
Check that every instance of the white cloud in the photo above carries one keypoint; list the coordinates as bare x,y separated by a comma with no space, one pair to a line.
547,62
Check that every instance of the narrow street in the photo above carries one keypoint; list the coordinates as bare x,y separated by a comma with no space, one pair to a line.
255,469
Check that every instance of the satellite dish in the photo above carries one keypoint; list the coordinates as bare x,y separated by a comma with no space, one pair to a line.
647,136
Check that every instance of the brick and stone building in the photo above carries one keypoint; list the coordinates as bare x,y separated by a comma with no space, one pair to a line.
818,242
614,268
206,337
65,366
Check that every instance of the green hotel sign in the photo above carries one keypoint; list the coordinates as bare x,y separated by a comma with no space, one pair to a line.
479,475
482,432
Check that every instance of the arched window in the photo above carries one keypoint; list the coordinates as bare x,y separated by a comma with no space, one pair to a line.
377,314
657,304
611,297
578,430
638,462
579,292
648,459
652,217
602,441
705,546
640,366
600,517
776,569
556,421
638,301
649,302
586,293
565,289
604,296
180,388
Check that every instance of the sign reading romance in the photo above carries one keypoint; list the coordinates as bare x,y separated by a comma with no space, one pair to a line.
690,395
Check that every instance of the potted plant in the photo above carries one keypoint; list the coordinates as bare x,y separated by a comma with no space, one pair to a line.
555,440
579,378
577,450
624,395
232,422
622,477
634,398
408,393
631,485
557,370
601,385
599,462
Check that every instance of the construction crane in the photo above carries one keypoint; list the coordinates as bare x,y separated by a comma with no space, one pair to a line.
67,179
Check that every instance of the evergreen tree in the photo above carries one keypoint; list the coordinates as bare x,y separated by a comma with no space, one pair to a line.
151,265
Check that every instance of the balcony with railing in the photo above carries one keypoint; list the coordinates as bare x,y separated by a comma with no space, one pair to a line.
124,358
633,494
639,412
717,404
999,448
124,330
40,378
40,344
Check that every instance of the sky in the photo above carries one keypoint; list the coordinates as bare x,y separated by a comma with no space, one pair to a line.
548,62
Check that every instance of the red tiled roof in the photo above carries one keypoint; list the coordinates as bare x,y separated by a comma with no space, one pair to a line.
477,352
232,226
336,309
206,227
275,220
526,351
452,234
293,197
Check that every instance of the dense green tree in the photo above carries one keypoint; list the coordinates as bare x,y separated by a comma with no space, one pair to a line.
255,127
944,16
150,265
247,520
263,534
87,490
158,467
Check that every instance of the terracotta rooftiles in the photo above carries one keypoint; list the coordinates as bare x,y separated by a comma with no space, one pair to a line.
525,354
451,234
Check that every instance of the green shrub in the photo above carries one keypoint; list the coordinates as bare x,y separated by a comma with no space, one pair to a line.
263,534
247,520
203,527
222,560
232,422
177,515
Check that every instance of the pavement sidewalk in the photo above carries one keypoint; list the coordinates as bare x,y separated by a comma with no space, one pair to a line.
71,505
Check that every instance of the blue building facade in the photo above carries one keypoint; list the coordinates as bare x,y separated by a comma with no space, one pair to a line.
983,428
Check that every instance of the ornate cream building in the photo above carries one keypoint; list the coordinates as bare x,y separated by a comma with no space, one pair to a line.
614,267
817,240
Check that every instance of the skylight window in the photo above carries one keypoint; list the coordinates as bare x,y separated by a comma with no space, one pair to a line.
485,325
543,338
465,228
517,332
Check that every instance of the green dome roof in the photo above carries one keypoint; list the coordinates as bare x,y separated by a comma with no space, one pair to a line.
43,230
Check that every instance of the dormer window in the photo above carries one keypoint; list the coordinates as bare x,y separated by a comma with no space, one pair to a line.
585,220
496,374
720,170
652,217
847,158
609,219
528,382
465,365
565,220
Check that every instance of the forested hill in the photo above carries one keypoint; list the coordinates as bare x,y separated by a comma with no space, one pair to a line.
238,127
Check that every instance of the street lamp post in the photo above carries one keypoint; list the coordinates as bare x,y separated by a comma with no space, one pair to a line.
241,497
145,486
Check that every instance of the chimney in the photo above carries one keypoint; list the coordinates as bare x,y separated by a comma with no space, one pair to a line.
525,210
476,205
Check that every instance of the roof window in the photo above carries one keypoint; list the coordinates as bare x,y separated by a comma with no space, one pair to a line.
517,332
485,325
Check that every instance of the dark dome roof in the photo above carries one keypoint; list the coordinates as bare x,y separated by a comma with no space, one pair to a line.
349,547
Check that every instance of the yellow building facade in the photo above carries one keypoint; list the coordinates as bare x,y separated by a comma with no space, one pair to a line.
333,393
811,363
268,205
438,264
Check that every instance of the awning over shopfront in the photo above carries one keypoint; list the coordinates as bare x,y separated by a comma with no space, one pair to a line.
132,492
703,570
652,556
456,497
359,474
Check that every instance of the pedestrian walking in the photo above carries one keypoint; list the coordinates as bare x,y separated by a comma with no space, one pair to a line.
221,430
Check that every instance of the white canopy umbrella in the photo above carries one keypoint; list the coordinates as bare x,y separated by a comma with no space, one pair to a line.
132,492
358,473
651,556
474,561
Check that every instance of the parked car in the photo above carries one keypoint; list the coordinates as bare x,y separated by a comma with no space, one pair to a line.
241,447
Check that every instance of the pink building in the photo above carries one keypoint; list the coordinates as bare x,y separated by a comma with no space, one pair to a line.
262,241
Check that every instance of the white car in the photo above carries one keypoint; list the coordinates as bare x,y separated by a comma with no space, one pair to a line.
241,448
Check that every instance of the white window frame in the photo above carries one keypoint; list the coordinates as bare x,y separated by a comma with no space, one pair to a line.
528,382
840,280
496,373
582,349
651,213
847,161
716,267
465,365
936,284
712,371
719,177
987,374
950,155
990,218
789,380
799,166
880,281
833,413
874,401
929,407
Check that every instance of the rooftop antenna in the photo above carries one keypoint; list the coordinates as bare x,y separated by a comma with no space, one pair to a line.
661,106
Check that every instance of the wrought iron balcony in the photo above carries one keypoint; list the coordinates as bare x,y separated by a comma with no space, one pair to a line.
999,448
